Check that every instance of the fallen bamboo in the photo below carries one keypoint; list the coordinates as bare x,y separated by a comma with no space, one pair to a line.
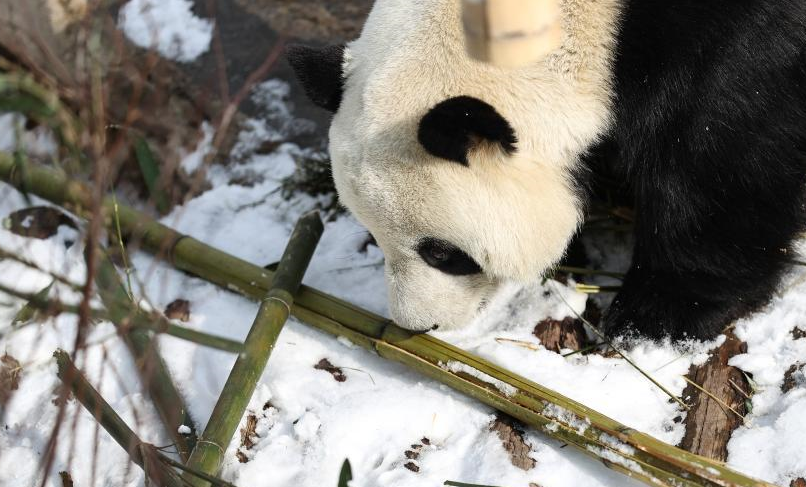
617,446
153,323
275,307
143,454
152,368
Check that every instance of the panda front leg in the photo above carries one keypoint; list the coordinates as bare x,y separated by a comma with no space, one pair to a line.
699,262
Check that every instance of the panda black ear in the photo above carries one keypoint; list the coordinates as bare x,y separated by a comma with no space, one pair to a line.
319,71
454,126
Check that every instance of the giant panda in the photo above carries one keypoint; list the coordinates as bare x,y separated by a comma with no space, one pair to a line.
469,175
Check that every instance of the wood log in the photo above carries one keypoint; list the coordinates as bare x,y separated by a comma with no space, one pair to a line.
709,424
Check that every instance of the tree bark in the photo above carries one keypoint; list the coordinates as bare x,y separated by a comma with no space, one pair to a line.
709,424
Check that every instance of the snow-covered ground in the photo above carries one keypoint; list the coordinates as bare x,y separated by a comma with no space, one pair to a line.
308,422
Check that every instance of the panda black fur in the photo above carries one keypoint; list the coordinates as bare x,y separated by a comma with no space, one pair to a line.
700,106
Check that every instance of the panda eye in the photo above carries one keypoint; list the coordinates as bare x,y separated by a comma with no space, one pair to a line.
447,258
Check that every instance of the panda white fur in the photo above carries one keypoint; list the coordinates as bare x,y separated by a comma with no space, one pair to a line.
469,175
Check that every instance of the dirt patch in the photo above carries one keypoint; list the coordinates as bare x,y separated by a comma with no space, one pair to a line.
511,435
312,19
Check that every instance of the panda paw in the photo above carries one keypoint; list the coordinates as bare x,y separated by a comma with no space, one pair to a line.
658,306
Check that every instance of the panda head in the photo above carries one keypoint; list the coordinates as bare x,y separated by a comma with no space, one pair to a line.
462,172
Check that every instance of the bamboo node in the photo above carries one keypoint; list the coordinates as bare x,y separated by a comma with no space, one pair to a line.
275,298
220,448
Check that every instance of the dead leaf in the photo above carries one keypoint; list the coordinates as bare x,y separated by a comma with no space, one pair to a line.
412,466
511,436
791,377
248,438
178,310
29,312
798,333
558,335
10,370
801,482
37,222
67,480
336,372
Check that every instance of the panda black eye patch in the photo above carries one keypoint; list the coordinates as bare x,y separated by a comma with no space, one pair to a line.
447,258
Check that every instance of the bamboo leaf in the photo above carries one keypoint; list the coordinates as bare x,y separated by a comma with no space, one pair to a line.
30,310
150,170
346,474
463,484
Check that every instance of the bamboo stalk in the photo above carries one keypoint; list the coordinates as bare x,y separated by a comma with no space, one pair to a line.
153,371
154,323
274,310
143,454
617,446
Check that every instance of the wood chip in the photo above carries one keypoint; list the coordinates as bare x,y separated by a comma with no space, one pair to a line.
178,310
558,335
791,377
336,372
10,370
412,466
39,222
709,425
511,435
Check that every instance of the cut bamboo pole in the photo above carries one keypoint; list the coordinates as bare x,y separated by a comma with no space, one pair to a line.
511,33
617,446
274,310
143,454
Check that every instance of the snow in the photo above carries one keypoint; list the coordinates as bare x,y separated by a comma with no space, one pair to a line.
307,422
502,386
169,26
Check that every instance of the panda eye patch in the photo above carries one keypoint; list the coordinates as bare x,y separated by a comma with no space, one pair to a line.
447,258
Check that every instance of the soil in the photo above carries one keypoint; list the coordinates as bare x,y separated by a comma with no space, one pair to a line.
250,29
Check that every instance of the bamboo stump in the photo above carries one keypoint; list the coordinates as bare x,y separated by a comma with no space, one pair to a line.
709,425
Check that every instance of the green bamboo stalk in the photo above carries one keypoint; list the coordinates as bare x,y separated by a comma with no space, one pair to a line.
142,454
617,446
274,310
150,322
156,378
